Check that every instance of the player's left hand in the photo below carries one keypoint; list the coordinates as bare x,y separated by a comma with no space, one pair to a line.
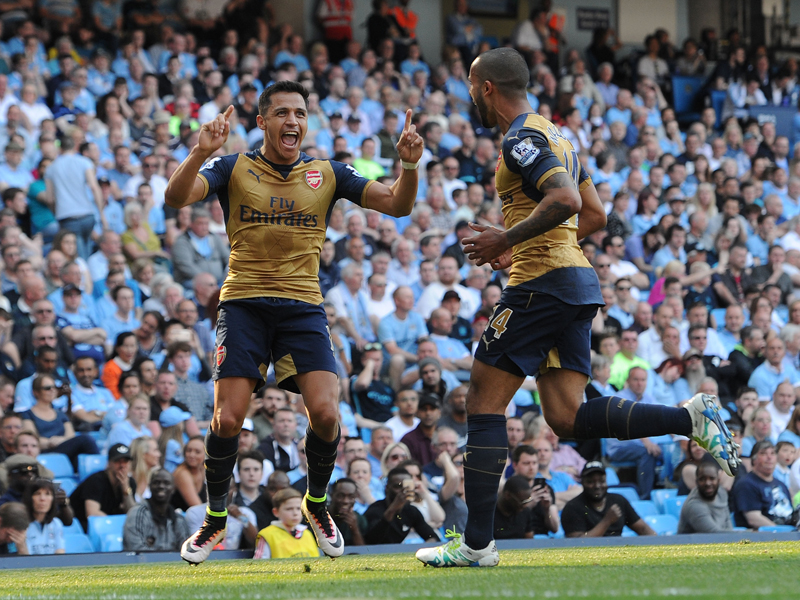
410,144
489,245
503,261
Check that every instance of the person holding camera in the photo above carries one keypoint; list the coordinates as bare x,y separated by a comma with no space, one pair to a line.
390,520
523,510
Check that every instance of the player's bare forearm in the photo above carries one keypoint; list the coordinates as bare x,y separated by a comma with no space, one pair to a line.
592,216
405,191
398,199
560,202
180,190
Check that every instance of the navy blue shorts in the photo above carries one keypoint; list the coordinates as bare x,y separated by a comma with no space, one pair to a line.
252,332
531,332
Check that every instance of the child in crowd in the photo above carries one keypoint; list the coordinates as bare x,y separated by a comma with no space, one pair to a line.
786,456
286,537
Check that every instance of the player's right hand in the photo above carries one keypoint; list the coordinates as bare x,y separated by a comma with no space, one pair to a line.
215,133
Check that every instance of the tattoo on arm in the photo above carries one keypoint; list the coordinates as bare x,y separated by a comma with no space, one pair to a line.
544,217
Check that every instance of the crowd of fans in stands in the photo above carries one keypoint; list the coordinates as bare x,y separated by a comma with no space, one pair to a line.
108,305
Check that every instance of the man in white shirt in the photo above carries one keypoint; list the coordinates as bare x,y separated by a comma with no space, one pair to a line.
781,408
380,302
615,250
149,175
431,298
450,181
405,419
222,99
651,348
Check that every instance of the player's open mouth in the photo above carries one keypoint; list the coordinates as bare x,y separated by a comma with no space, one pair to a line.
290,139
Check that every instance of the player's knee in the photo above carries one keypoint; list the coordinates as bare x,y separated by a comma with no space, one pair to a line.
226,425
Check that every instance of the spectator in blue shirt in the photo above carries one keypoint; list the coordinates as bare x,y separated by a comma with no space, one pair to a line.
45,533
135,425
123,319
90,403
562,483
676,238
399,333
761,500
773,371
293,54
78,326
12,172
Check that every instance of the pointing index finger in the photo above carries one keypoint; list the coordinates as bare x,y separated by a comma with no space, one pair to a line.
408,120
228,112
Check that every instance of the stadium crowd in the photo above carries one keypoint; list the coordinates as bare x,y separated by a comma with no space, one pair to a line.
109,296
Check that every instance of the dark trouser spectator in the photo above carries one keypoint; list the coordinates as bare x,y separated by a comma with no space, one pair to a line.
80,444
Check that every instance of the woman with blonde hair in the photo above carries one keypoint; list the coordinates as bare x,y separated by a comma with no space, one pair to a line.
145,456
139,241
392,456
704,201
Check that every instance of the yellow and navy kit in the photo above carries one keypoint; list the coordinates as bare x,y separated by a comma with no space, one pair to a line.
276,217
533,150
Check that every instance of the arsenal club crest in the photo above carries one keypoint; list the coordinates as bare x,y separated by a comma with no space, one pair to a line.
314,179
222,352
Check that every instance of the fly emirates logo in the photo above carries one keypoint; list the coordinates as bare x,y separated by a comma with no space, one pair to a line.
280,212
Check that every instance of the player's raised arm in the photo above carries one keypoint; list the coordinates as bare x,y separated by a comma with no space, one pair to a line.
561,201
398,199
184,187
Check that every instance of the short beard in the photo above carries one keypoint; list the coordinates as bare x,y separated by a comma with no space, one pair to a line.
483,112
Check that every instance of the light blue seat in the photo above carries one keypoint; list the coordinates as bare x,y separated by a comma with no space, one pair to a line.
645,508
111,542
628,532
74,529
658,496
89,464
558,534
67,484
100,527
77,543
663,524
58,463
673,505
612,478
541,536
778,528
629,493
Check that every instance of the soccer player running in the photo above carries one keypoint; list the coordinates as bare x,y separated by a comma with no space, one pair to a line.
542,324
277,201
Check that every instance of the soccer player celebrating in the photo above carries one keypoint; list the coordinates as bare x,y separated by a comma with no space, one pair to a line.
542,324
277,201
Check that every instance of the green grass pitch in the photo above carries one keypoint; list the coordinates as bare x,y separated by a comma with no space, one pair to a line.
725,571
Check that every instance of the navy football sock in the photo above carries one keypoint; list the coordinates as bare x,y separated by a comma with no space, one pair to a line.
484,462
615,417
221,455
321,456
